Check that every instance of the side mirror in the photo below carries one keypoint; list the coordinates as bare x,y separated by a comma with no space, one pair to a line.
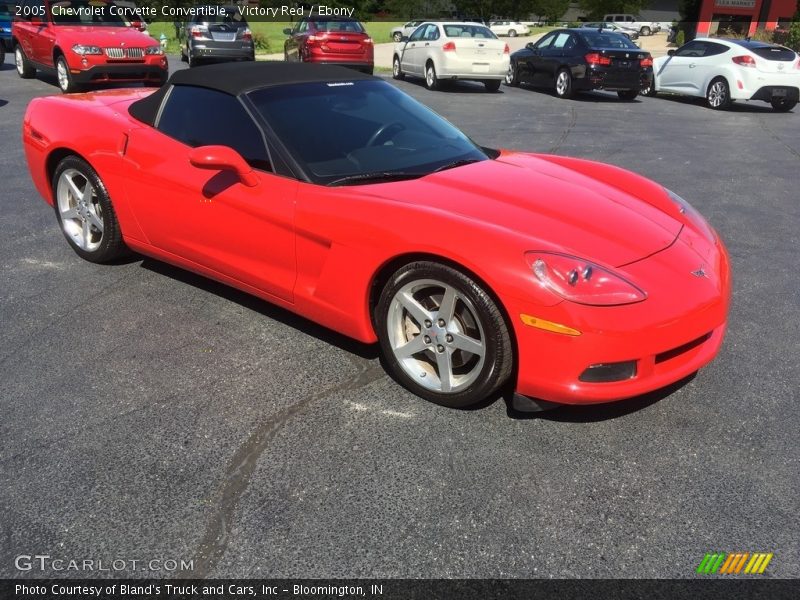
139,25
222,158
670,52
529,46
403,38
287,31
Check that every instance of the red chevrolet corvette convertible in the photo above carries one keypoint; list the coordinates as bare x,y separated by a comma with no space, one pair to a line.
335,195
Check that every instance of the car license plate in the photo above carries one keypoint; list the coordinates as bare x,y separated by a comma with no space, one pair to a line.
479,68
779,92
624,64
480,51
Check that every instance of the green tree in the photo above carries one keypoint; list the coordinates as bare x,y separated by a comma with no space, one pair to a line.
597,9
551,10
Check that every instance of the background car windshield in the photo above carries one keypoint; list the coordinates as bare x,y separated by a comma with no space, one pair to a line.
5,10
231,16
595,39
339,25
79,12
343,129
471,31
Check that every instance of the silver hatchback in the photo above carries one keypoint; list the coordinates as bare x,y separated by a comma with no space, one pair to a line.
217,37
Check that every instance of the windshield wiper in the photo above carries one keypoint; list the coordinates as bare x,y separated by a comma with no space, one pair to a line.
457,163
375,177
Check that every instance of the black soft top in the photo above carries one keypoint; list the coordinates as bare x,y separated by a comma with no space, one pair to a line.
242,77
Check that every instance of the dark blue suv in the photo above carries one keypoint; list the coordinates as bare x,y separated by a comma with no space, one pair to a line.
6,11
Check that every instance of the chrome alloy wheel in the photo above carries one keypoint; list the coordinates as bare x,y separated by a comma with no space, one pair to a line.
19,61
436,336
510,74
717,94
430,76
562,83
80,210
61,73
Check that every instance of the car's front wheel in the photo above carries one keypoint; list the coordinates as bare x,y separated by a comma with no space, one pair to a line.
24,68
431,79
718,95
649,89
783,104
64,76
397,71
442,335
397,37
512,76
564,84
84,212
512,33
644,31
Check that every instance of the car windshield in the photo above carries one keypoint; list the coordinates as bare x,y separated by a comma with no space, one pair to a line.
5,11
85,12
469,31
339,25
351,130
595,39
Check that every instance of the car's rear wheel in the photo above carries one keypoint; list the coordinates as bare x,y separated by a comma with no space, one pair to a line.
783,104
64,77
644,31
512,33
84,211
397,37
442,335
431,80
627,94
24,68
512,76
564,84
492,85
397,70
718,95
193,61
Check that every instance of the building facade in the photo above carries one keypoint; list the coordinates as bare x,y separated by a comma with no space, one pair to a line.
744,16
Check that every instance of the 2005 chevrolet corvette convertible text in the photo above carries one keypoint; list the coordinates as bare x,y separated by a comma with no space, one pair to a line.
335,195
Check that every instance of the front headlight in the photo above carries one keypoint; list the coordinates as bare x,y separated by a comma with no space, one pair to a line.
694,217
84,50
154,50
582,281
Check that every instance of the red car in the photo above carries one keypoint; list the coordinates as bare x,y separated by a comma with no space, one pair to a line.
335,195
84,42
332,41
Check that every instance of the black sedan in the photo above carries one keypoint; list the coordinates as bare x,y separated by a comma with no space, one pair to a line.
571,60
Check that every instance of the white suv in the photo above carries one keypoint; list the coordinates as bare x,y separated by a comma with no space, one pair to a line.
509,28
634,22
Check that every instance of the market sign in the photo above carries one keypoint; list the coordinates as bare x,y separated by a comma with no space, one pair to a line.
736,3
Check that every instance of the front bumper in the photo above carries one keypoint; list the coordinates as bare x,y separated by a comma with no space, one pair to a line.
129,72
677,330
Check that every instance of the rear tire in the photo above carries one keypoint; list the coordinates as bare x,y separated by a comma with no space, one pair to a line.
718,94
84,212
24,68
645,31
431,80
564,87
442,335
782,104
492,85
397,70
627,95
512,33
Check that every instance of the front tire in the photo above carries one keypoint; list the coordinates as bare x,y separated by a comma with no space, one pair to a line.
782,104
397,71
645,31
627,95
24,68
649,89
84,211
512,33
442,335
564,87
718,94
397,37
492,85
512,77
65,81
431,80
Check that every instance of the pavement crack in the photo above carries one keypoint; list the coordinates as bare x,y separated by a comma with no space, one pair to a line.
573,118
243,463
776,137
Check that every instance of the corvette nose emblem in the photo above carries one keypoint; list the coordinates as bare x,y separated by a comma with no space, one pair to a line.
699,273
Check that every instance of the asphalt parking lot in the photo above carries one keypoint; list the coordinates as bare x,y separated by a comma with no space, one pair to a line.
148,413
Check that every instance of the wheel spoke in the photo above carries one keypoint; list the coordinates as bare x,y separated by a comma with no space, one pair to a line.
412,347
468,344
444,365
87,234
77,193
96,221
70,213
417,311
448,306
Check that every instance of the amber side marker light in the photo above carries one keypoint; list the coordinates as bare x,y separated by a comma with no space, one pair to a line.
532,321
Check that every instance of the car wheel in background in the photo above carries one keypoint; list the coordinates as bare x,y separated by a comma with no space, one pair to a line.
2,52
64,77
644,31
627,94
24,68
564,84
718,94
512,77
431,80
491,85
84,211
512,33
397,71
649,89
397,36
442,335
783,104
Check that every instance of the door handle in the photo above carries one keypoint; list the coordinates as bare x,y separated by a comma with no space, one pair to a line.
427,43
413,44
692,65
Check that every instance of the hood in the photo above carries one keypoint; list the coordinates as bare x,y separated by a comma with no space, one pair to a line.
103,36
549,203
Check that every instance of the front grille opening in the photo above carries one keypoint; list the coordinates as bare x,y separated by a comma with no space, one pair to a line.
607,372
675,352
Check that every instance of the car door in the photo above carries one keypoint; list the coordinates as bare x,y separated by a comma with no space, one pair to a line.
534,68
292,45
679,72
412,52
553,56
205,216
432,40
